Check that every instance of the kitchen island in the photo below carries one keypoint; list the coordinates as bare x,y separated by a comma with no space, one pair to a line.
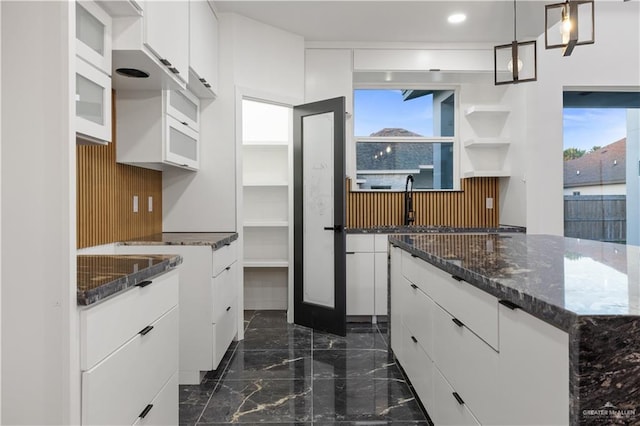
544,329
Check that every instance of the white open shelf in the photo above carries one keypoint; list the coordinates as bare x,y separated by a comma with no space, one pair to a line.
267,224
283,263
487,143
486,109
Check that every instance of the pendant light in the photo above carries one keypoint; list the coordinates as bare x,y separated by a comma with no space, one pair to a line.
515,62
569,24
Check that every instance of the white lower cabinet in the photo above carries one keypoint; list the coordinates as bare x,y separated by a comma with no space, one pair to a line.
471,359
118,388
161,411
366,274
208,295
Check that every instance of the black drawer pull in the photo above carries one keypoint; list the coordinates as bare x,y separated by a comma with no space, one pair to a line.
413,286
174,70
227,268
508,304
228,307
146,330
457,397
227,244
457,278
207,85
165,62
350,252
142,284
202,80
184,123
145,411
414,255
414,339
457,322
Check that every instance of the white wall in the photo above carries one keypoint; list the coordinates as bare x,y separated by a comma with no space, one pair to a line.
40,368
252,56
611,63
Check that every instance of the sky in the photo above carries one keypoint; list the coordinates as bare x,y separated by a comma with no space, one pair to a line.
584,128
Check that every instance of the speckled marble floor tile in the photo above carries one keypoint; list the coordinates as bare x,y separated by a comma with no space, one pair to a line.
284,374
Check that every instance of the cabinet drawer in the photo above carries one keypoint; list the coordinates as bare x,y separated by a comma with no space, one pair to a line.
419,368
117,390
418,316
164,407
223,291
468,364
477,309
224,257
223,332
360,243
107,325
447,409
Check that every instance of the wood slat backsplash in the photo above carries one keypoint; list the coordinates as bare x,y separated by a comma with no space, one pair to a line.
465,208
105,196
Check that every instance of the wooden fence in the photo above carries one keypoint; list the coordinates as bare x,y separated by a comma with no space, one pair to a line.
596,217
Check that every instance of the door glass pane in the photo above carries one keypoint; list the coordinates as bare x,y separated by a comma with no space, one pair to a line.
182,145
89,100
317,153
183,104
89,30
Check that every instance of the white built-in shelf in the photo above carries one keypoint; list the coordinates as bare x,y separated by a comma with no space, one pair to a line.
266,144
487,143
486,109
266,264
487,173
267,224
258,184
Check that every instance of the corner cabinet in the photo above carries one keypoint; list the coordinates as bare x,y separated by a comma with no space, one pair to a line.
464,351
93,73
157,129
129,356
208,293
487,148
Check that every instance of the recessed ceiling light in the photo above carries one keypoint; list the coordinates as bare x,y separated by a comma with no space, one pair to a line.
456,18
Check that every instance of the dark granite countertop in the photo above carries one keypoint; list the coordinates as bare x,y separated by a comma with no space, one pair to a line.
431,230
214,239
554,278
101,276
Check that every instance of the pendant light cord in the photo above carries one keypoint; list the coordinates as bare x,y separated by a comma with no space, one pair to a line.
515,19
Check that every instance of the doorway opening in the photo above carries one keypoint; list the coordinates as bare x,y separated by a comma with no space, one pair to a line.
602,165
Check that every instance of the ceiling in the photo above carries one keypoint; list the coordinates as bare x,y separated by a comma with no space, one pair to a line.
395,21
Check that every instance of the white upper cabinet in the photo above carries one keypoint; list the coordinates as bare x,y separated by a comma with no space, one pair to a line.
203,49
93,70
166,34
93,35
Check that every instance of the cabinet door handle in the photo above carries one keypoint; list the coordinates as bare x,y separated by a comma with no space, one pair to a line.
508,304
207,85
145,411
202,80
146,330
174,70
457,397
414,339
165,62
227,244
457,278
413,286
350,252
228,307
142,284
184,123
457,322
227,268
414,255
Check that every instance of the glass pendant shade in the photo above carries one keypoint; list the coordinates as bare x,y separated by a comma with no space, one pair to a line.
521,53
569,24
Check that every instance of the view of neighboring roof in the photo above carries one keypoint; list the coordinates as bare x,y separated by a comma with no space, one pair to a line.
600,167
386,156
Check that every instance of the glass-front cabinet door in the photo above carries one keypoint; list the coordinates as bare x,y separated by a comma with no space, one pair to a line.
93,103
184,107
182,144
93,35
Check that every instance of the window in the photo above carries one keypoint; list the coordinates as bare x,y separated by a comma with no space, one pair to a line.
401,132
